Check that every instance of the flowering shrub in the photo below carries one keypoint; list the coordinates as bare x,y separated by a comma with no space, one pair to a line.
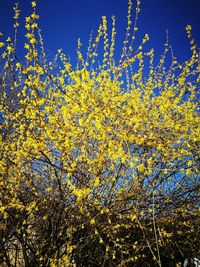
99,162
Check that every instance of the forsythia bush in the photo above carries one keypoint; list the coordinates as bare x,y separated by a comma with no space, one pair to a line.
99,161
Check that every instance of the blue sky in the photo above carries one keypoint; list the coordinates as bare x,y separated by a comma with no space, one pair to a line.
63,22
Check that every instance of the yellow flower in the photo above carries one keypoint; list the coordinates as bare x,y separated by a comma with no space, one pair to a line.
188,28
10,49
33,41
28,19
34,25
96,182
28,27
26,46
18,65
34,16
92,221
101,241
181,80
33,4
48,189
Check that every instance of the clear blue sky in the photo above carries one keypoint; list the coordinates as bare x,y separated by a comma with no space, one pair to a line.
64,21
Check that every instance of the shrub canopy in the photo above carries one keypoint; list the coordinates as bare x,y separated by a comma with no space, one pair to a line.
99,161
